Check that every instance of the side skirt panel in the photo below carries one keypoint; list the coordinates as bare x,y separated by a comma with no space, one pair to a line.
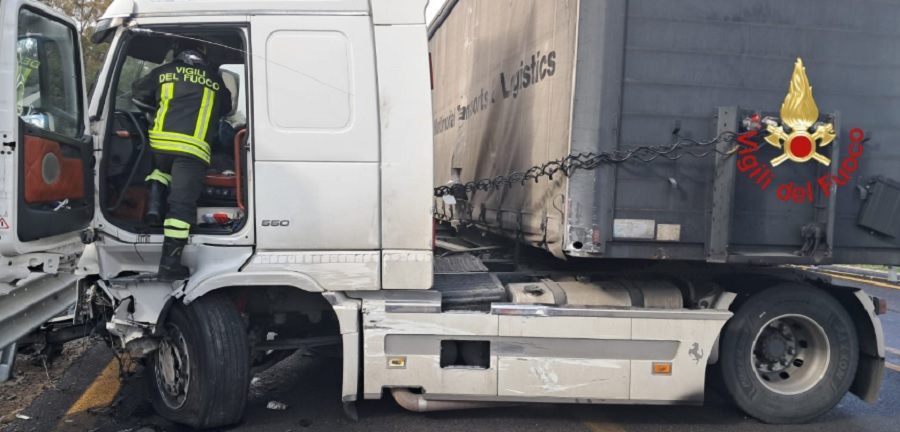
540,353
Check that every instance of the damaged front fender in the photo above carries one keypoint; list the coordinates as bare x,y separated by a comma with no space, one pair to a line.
139,305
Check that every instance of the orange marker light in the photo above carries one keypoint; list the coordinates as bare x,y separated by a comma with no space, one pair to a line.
662,368
396,363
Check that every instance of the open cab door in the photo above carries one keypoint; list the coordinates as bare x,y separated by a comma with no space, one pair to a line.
46,153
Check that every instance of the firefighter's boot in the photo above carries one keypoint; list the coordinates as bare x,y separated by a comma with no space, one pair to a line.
155,203
170,267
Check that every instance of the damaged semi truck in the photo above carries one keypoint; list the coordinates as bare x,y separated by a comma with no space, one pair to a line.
661,172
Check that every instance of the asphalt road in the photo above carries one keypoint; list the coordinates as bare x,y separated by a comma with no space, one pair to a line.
310,388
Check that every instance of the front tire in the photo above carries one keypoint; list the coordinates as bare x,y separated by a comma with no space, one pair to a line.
789,354
201,372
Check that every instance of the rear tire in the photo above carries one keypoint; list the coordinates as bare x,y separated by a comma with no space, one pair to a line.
789,354
201,372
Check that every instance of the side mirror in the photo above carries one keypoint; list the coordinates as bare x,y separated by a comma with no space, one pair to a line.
41,120
28,89
232,82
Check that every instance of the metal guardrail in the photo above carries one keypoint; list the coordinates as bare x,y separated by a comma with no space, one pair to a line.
27,305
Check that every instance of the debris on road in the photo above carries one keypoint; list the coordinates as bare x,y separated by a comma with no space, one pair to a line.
29,381
277,406
104,410
22,417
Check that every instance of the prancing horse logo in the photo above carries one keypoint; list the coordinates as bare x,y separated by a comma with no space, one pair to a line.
696,353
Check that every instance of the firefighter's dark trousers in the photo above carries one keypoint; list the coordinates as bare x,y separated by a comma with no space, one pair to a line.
185,175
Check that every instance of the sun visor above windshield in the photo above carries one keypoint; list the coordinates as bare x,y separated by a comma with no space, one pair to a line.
115,16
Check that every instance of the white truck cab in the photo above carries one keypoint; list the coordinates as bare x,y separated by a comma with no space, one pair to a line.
329,134
323,183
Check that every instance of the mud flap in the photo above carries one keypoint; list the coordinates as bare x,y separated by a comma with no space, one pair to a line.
869,377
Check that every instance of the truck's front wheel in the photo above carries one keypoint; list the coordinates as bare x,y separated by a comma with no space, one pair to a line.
789,354
200,374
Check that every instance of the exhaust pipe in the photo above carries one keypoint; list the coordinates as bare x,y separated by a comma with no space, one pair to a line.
417,402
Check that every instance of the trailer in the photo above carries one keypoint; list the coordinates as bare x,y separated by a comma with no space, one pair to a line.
706,142
316,228
664,90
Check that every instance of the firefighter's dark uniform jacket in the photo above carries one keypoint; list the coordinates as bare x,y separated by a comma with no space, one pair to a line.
191,99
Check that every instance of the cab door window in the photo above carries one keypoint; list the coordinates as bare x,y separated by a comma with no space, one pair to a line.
48,88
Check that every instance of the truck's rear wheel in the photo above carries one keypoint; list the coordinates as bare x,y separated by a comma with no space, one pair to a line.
789,354
200,374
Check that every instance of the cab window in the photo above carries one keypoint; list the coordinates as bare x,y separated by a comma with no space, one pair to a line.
48,88
132,70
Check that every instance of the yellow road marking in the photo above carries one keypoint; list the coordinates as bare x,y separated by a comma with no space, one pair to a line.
892,350
853,274
892,367
603,427
101,392
596,421
868,281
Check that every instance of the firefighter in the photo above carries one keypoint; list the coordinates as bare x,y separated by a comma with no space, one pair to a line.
190,98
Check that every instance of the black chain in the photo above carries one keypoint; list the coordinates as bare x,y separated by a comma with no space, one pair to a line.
587,161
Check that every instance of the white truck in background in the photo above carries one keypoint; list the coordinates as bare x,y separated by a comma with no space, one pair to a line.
316,228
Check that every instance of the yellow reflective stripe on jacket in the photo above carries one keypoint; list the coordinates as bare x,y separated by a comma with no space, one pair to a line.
203,116
159,176
175,136
209,113
166,93
175,228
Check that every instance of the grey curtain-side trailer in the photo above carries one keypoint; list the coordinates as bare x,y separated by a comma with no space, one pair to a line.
518,84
